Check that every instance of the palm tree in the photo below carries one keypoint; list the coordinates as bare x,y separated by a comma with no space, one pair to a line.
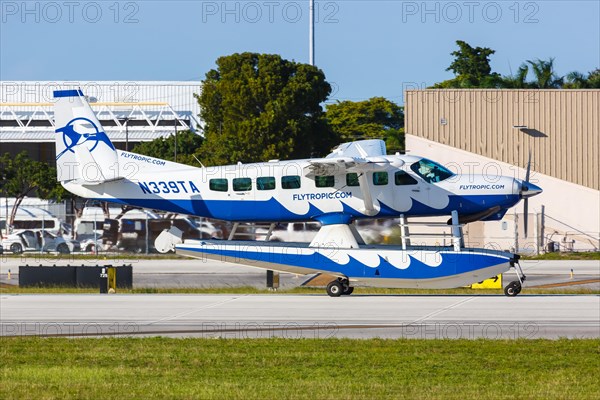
576,80
545,77
517,81
593,79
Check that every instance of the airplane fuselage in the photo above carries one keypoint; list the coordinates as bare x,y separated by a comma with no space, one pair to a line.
286,191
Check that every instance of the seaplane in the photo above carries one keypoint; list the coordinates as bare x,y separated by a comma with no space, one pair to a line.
357,180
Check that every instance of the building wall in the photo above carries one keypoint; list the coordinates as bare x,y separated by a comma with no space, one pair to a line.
562,127
571,212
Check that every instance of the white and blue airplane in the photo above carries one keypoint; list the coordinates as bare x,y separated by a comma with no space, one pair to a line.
357,180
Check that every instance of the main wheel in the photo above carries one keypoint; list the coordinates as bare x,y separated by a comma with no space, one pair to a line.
16,248
335,289
348,291
512,289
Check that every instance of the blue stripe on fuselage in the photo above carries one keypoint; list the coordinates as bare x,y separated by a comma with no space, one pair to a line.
273,210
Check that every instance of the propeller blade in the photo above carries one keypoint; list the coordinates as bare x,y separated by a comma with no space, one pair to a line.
525,215
526,201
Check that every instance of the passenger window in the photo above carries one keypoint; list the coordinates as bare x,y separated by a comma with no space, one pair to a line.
352,179
218,185
242,184
290,182
265,183
402,178
380,178
324,181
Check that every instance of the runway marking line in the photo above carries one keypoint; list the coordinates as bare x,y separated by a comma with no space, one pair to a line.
183,314
447,308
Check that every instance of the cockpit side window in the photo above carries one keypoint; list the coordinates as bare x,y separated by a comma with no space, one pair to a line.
403,178
431,171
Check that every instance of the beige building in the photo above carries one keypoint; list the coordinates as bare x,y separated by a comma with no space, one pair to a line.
494,131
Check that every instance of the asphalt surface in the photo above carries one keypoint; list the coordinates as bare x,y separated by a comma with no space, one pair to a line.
197,273
302,316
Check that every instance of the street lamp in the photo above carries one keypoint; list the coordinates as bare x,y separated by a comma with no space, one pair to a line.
126,121
176,120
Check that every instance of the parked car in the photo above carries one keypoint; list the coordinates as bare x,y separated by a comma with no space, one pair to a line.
38,240
292,232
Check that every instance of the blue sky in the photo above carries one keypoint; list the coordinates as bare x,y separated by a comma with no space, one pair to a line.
365,48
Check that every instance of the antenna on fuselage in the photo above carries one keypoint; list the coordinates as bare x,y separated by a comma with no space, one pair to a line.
199,162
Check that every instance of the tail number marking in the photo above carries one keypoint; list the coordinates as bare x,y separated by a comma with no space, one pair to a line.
168,187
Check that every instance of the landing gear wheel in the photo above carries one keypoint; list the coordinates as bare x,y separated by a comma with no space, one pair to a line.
335,289
513,289
348,291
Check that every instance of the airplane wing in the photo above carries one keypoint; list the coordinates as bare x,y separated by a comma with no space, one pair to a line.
360,149
361,165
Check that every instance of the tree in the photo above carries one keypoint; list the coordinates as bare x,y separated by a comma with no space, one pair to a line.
22,176
517,81
188,144
578,80
258,107
594,79
545,77
472,68
373,118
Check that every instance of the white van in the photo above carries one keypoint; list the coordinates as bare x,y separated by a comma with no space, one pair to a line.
36,218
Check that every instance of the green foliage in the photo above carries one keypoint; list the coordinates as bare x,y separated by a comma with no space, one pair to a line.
374,118
472,68
545,76
518,80
188,144
259,106
22,176
577,80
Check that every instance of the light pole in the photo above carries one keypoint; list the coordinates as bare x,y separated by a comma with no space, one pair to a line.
311,32
126,121
175,125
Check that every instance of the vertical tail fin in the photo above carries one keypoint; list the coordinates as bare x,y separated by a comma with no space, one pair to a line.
84,153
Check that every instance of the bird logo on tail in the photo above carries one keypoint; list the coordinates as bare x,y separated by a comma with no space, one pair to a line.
71,137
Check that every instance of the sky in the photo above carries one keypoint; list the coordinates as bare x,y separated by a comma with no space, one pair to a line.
365,48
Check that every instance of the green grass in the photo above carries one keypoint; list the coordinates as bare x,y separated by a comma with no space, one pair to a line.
589,255
9,289
143,368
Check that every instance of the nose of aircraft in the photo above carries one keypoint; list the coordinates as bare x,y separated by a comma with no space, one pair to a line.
528,189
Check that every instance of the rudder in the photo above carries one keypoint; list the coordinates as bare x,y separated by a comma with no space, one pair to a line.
84,153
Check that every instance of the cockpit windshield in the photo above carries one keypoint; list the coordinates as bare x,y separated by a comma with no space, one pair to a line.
431,171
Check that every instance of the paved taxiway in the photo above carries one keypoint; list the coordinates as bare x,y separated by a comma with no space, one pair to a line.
174,273
302,316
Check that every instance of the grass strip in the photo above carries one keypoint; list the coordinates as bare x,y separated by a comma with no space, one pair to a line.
10,289
135,368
